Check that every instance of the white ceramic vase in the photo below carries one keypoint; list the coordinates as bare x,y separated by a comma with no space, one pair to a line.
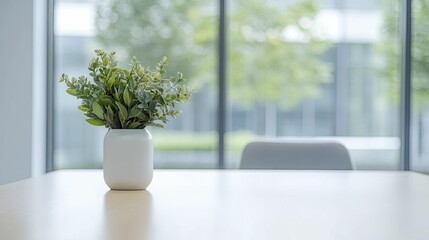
128,159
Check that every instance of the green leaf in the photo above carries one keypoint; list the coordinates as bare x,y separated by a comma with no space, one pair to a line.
82,108
111,81
135,111
109,120
127,99
97,110
95,122
144,117
105,101
105,61
110,111
123,113
117,98
156,125
71,91
152,106
134,125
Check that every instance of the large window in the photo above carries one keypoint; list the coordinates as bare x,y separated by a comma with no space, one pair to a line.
295,69
184,31
315,69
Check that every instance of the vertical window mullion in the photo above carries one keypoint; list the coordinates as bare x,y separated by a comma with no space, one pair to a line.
221,86
50,87
405,110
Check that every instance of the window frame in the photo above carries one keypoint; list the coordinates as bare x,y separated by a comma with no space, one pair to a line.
405,107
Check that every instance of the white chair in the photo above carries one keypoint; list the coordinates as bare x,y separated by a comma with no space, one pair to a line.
301,155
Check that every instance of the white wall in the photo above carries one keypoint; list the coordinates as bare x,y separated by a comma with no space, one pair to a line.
39,86
17,95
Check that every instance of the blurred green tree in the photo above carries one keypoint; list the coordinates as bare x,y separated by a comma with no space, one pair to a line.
274,51
391,49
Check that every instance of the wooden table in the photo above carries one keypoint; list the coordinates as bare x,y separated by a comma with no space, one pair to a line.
212,204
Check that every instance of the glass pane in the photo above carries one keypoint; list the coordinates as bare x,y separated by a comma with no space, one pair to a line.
420,87
324,69
184,31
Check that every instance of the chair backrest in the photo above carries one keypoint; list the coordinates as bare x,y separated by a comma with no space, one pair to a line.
302,155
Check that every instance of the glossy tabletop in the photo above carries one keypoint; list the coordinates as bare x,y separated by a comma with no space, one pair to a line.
212,204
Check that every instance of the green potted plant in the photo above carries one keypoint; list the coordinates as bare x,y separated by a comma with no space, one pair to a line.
126,102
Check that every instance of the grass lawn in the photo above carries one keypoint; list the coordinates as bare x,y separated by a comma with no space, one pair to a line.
198,141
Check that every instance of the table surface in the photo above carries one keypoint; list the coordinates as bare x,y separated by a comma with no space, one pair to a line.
213,204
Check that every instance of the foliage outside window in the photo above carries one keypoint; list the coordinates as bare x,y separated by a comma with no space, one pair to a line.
151,28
